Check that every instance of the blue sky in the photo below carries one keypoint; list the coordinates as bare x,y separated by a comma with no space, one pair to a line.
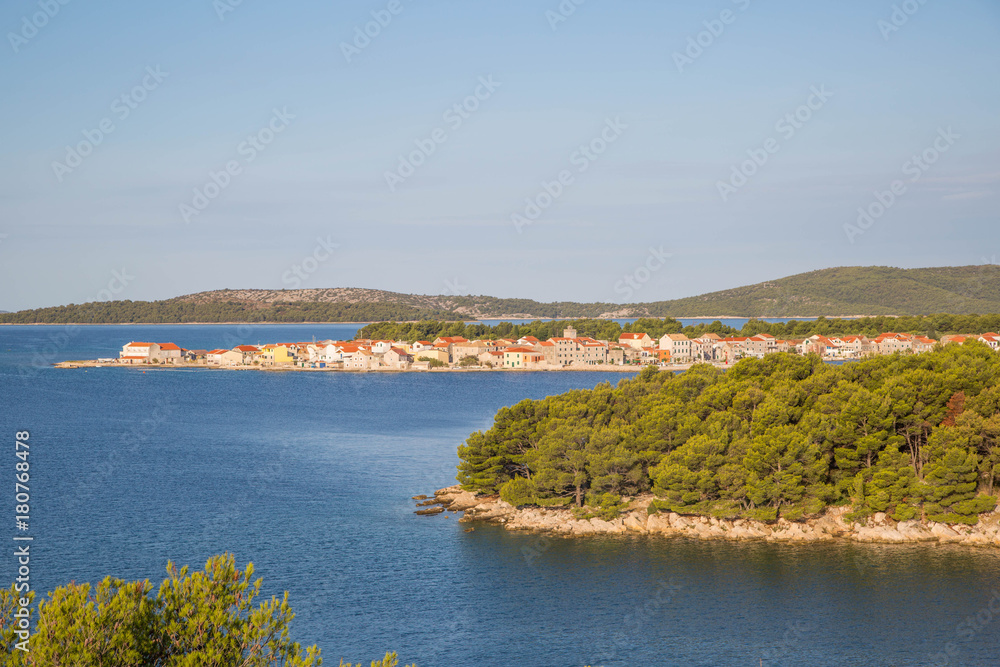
330,122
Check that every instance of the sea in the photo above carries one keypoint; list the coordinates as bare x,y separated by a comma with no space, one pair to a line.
310,477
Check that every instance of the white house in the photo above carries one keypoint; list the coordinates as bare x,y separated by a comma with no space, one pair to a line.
138,353
397,358
222,357
991,339
679,346
169,352
635,340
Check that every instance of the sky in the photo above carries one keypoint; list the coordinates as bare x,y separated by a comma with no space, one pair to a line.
582,150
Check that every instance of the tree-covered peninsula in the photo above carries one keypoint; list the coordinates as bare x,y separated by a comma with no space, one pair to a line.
915,436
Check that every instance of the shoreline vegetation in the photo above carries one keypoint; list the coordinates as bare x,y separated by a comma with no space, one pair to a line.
900,442
931,325
214,616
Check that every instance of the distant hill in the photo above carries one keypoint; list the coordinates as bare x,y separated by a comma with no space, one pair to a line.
856,290
844,291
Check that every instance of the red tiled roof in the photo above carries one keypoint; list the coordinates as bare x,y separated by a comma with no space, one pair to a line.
139,345
168,346
631,336
247,348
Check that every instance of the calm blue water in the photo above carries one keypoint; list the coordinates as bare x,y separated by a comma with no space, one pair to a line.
310,475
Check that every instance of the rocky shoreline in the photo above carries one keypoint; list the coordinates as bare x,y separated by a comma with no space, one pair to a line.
636,520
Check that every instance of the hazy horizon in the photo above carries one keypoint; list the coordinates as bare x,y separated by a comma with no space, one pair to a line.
539,150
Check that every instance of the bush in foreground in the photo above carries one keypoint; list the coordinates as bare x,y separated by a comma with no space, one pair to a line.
201,618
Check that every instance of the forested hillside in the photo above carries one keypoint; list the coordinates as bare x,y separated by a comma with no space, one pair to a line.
857,290
852,290
785,436
179,311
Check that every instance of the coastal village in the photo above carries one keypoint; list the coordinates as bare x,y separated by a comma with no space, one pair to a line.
568,352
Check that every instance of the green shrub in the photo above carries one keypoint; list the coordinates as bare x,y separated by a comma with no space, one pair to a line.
208,617
762,514
519,491
725,510
606,505
904,512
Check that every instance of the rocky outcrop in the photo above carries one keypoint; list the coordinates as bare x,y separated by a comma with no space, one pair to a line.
636,520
